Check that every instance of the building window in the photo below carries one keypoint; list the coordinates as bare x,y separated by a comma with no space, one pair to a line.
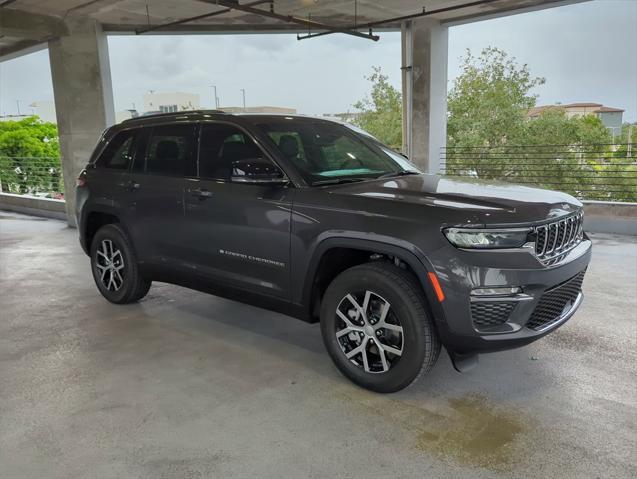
167,108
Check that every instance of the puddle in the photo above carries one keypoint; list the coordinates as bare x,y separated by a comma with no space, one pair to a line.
469,429
475,434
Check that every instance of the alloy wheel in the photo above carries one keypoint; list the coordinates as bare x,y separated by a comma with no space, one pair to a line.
110,264
368,332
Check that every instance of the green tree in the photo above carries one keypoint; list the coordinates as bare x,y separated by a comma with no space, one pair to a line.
491,136
554,127
382,111
489,100
29,156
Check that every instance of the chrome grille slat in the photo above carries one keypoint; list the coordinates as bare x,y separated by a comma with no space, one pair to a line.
573,229
561,237
554,226
555,239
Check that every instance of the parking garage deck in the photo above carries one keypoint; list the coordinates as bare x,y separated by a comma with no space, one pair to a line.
188,385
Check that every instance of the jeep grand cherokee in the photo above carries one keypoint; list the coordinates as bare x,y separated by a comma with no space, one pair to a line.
320,221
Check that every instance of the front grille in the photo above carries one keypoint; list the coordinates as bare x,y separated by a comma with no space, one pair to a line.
491,313
553,302
554,240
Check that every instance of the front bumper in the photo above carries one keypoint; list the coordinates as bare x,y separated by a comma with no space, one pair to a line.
460,272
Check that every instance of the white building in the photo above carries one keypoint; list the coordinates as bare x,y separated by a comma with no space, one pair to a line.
610,117
168,102
45,110
280,110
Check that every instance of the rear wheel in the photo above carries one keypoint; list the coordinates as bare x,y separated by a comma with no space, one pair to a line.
376,328
114,266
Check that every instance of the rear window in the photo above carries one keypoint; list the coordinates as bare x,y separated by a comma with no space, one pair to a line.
119,151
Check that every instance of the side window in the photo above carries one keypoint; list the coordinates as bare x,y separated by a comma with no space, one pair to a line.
291,146
224,149
170,150
118,152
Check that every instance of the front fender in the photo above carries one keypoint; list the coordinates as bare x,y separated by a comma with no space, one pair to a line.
374,243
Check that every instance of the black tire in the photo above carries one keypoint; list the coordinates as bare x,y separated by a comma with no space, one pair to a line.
387,284
133,286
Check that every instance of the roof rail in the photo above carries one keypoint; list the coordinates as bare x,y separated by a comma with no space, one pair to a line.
175,113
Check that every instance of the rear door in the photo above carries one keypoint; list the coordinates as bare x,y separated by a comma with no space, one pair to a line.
238,233
165,157
111,170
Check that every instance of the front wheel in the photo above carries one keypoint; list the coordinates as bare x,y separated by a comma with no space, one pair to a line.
376,328
114,266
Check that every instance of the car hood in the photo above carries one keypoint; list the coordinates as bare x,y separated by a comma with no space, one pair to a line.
478,201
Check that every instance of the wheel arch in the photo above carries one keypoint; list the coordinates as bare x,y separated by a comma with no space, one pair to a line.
405,252
93,220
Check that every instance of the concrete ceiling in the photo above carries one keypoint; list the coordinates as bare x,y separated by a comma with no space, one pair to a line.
27,24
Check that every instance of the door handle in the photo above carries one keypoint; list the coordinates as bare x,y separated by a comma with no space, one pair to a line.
129,185
201,193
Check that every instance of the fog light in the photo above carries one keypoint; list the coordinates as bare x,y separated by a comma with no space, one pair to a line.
506,291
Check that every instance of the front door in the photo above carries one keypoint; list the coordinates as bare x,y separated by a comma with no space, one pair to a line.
238,233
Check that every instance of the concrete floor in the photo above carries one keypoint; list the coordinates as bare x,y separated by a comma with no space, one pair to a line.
185,385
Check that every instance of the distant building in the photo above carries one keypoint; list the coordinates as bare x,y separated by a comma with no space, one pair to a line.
345,117
170,102
45,110
13,117
120,116
260,109
610,117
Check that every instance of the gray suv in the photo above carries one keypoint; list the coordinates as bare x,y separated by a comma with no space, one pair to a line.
319,221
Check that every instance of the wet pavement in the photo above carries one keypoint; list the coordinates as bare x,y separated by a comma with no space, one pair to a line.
186,385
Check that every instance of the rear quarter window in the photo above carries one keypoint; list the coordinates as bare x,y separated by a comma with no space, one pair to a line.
118,154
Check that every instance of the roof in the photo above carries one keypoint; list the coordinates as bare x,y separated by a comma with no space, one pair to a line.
580,105
598,108
608,109
538,110
212,114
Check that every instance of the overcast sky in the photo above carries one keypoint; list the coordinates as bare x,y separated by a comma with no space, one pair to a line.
586,52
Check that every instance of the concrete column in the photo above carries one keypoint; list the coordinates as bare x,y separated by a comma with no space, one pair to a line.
83,97
424,60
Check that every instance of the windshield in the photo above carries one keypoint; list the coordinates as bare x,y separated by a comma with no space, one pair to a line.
326,152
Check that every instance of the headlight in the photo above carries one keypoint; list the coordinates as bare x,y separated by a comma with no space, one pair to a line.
487,239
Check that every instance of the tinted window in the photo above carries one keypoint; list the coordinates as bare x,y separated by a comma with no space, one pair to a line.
223,148
119,152
171,150
324,150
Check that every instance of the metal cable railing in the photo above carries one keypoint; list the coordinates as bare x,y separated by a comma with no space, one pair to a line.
33,176
590,172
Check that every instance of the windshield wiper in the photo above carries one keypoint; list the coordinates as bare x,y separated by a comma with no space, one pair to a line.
336,181
391,174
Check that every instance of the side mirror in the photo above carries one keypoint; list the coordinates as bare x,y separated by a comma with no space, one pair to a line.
257,171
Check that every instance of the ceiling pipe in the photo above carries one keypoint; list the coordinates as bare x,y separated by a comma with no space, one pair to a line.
402,18
234,5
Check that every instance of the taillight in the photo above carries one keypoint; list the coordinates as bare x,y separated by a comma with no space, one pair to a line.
81,179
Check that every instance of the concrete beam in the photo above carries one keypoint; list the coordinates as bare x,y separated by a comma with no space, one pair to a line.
21,48
83,93
30,26
424,60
